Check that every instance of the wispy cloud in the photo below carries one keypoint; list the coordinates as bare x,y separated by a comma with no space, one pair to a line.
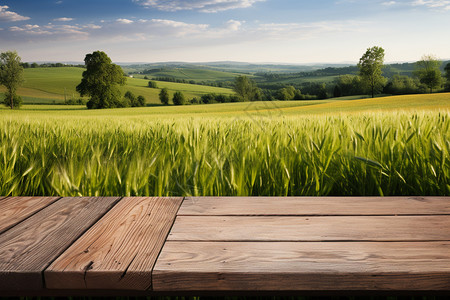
308,29
10,16
124,21
33,32
435,4
64,19
207,6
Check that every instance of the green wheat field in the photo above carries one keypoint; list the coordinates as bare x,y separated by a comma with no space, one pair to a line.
292,148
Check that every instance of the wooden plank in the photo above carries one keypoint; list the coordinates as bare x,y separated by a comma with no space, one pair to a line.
28,248
314,206
277,266
15,209
355,228
119,251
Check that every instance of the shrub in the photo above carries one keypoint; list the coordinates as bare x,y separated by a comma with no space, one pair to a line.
178,98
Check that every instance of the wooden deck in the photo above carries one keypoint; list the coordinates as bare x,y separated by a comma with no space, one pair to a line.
150,246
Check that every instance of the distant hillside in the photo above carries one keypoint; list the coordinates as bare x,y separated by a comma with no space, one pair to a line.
54,85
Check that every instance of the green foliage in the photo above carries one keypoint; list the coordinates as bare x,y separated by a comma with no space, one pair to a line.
287,93
428,72
348,85
129,99
100,81
401,85
355,155
11,75
370,69
447,75
178,98
246,89
17,101
152,84
164,96
141,101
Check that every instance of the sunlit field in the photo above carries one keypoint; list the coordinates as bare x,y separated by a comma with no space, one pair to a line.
279,148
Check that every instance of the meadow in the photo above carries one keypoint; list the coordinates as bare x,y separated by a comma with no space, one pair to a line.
386,146
54,85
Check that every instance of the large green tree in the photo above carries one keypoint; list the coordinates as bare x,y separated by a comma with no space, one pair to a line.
246,89
11,76
428,72
370,69
101,81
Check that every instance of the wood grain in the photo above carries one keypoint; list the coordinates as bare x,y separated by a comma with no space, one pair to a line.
258,266
28,248
119,251
355,228
314,206
15,209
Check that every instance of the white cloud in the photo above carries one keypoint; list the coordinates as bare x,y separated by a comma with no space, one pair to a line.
124,21
207,6
436,4
29,29
64,19
234,25
10,16
92,26
389,3
50,30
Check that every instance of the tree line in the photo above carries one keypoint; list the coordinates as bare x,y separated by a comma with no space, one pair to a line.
101,80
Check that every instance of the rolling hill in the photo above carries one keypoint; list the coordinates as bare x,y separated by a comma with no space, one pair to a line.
54,85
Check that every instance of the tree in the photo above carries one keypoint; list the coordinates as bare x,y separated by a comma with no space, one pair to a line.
178,98
370,69
447,75
427,70
11,76
164,96
129,99
100,81
246,89
152,84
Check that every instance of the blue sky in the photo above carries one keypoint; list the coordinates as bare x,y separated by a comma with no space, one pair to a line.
285,31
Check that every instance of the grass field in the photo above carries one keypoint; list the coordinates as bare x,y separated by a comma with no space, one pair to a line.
192,74
46,85
384,146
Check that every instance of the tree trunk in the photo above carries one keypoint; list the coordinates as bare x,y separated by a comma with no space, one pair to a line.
12,100
373,91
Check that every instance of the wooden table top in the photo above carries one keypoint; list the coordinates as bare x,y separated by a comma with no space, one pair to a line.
150,245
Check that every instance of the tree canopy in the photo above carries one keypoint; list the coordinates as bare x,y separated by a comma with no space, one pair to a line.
178,98
447,75
370,69
11,76
101,80
246,89
164,96
427,70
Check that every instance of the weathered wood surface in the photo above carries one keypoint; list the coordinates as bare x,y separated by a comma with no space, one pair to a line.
151,245
241,266
359,228
314,206
337,243
120,250
28,248
15,209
